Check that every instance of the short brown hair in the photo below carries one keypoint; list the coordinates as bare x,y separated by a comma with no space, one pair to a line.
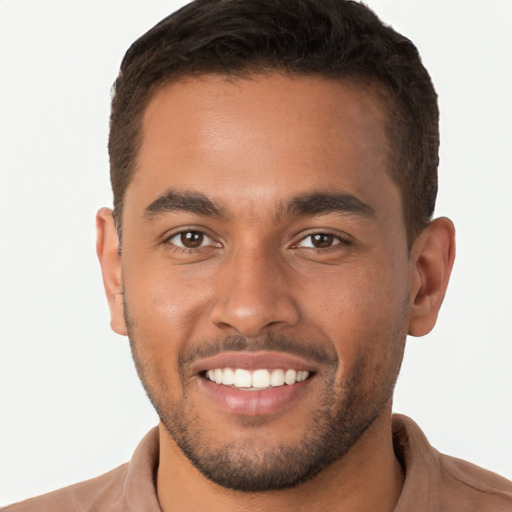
331,38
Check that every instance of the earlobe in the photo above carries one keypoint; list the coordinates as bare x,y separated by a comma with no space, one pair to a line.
107,249
432,257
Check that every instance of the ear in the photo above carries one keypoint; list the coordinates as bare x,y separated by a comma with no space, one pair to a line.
432,256
107,249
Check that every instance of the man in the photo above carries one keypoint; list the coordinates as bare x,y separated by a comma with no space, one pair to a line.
274,175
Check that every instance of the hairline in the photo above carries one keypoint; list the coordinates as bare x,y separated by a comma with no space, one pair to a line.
372,85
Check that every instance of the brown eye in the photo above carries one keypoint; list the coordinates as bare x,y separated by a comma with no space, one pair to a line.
322,240
191,239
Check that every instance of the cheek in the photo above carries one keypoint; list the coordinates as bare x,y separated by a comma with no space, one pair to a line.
163,313
164,296
363,309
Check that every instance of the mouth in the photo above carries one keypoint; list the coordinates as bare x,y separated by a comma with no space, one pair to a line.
254,384
261,378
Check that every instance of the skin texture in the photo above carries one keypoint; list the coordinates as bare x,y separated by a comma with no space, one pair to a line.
256,284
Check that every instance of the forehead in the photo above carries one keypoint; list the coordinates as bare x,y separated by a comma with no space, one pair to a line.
255,141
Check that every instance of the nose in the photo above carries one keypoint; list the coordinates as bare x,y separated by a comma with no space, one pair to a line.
253,294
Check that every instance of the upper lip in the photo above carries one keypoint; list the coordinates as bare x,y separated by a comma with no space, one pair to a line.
253,361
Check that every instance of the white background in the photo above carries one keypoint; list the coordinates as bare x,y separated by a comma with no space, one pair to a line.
71,404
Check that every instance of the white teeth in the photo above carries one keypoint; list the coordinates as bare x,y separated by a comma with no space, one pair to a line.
302,375
277,378
228,377
242,379
219,375
258,379
261,379
290,376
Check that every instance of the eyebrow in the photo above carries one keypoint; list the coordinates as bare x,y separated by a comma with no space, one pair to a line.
315,203
183,201
320,203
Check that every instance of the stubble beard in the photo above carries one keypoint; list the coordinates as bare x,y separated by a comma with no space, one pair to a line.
327,437
330,431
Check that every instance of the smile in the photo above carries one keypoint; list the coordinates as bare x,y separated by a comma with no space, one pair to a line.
251,384
261,378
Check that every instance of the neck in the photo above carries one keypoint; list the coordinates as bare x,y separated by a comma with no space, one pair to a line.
368,477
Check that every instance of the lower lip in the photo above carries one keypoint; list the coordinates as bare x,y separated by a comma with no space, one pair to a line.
250,402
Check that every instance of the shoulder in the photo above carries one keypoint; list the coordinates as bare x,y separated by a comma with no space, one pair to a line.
98,494
470,487
128,487
439,482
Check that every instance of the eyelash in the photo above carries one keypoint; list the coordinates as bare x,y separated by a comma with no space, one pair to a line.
337,240
177,247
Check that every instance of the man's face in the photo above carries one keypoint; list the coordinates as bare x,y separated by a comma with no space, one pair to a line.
264,242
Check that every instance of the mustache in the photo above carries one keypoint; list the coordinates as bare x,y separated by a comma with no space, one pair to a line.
310,349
